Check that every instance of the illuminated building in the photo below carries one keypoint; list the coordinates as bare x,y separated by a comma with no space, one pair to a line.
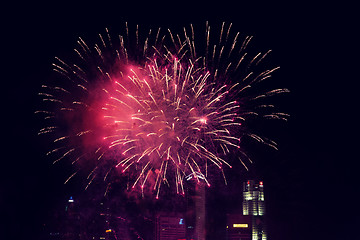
238,227
254,206
195,214
170,227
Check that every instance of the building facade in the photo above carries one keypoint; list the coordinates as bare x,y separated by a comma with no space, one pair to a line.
170,227
254,206
196,207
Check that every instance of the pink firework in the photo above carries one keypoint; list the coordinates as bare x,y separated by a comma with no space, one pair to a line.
156,108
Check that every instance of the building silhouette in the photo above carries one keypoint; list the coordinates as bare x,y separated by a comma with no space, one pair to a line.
83,220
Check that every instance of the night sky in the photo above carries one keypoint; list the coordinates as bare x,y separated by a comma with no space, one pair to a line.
311,182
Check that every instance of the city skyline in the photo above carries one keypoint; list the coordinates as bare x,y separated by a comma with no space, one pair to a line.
87,216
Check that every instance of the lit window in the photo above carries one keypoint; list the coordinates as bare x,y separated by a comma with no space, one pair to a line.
240,225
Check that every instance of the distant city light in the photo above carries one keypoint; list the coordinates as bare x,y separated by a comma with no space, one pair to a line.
181,221
71,199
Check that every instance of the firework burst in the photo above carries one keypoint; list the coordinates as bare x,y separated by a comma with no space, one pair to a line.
157,109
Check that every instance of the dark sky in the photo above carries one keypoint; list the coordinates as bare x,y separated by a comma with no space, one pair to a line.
312,187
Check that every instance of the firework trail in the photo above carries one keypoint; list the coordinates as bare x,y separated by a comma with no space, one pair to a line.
157,108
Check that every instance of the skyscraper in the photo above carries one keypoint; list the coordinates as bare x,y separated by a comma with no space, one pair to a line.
196,210
254,206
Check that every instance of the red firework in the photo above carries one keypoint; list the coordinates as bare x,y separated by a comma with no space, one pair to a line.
156,108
